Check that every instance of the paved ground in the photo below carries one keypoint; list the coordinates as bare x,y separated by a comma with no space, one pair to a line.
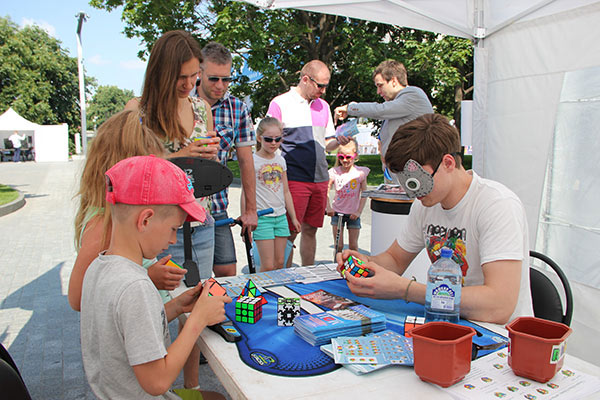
37,326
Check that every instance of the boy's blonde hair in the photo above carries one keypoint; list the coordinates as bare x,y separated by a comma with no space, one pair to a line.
265,123
123,135
352,142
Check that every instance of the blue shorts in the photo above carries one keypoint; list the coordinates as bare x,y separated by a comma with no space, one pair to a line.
350,223
270,227
224,246
203,239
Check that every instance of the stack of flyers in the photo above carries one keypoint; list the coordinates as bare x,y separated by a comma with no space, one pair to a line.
348,129
320,328
369,353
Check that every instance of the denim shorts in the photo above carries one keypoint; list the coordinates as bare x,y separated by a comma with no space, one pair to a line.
224,246
350,223
270,227
203,239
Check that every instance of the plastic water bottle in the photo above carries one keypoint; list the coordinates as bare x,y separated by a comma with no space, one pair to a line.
444,283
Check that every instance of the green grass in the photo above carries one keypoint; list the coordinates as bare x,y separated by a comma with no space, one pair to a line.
7,194
372,161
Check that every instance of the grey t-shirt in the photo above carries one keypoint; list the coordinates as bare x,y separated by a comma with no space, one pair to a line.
410,103
123,323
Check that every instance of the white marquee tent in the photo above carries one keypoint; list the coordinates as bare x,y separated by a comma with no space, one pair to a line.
51,142
536,115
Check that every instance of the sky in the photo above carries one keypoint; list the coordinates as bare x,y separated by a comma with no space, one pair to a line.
108,55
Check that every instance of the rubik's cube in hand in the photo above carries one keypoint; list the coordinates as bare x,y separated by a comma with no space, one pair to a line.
214,288
356,267
248,309
287,310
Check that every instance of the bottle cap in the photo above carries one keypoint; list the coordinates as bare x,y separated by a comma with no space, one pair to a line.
446,252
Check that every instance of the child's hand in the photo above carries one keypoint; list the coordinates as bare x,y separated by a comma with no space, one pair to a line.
329,211
210,309
187,299
297,225
354,216
165,277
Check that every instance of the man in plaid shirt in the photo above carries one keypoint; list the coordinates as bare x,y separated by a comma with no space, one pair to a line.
234,126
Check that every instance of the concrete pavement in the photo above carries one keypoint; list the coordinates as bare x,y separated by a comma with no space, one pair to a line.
37,326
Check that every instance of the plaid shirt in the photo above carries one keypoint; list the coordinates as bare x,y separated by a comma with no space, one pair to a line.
234,126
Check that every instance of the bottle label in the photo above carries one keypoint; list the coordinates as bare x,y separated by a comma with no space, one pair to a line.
443,298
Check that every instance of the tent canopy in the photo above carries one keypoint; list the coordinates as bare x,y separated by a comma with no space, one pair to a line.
464,18
11,121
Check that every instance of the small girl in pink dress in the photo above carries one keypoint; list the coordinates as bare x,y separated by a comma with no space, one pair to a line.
348,181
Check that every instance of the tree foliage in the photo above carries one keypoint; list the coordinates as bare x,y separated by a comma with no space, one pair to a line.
107,100
38,79
277,43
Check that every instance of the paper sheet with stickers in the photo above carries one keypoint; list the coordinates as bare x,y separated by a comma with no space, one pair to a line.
492,378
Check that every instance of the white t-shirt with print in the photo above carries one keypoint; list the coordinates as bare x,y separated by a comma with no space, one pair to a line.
488,224
269,183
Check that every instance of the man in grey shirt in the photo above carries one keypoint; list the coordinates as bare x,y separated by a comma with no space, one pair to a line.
402,104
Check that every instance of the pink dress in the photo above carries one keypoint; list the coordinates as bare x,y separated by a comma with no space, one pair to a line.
347,187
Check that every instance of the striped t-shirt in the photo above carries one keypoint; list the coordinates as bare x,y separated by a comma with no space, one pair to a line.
305,128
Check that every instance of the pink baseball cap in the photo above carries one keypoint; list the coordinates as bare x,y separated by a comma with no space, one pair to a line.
150,180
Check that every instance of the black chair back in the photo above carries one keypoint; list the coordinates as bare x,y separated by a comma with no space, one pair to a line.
545,296
11,382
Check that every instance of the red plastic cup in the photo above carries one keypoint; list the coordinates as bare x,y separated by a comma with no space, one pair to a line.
442,352
536,347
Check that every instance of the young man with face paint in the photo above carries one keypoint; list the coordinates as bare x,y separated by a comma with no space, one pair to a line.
482,221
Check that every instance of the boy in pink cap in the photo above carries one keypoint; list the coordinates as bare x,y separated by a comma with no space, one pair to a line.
125,340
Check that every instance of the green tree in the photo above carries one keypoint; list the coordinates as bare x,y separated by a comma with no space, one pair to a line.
107,100
38,79
277,43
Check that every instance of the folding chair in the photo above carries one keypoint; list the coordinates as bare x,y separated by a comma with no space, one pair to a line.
545,297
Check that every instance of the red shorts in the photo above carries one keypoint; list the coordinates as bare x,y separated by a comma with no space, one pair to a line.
310,200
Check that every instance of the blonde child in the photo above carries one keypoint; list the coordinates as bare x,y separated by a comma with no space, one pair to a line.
272,191
348,181
121,136
125,341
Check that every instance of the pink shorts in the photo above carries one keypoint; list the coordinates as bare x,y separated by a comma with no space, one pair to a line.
310,200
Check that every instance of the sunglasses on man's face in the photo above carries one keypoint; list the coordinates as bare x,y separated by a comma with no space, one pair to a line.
343,157
271,139
319,85
225,79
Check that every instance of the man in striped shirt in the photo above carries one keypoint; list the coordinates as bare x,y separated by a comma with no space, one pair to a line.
308,132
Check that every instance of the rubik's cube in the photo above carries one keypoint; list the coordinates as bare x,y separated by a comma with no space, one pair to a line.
411,322
172,263
214,288
356,267
248,309
251,290
287,310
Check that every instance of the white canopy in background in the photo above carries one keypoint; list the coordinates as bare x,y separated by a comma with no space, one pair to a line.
526,52
51,142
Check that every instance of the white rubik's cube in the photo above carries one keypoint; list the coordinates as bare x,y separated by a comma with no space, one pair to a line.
287,310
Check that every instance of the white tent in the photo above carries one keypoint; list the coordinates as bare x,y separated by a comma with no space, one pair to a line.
51,142
535,117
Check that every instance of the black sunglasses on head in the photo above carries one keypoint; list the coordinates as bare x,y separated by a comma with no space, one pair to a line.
271,139
225,79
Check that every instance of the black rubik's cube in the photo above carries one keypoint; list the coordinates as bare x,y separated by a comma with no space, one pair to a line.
356,267
248,309
287,310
